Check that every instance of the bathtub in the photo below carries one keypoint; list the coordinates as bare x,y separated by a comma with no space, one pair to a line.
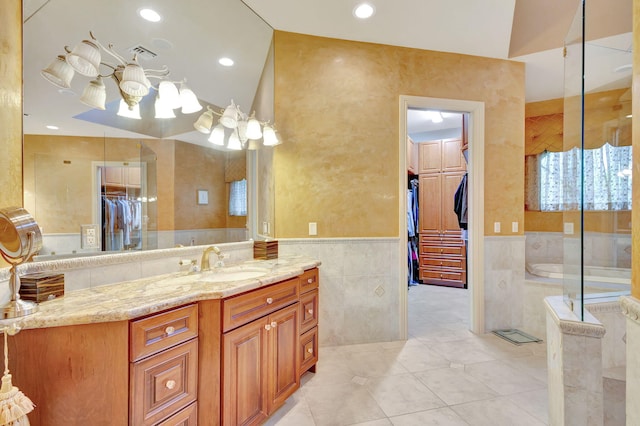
594,276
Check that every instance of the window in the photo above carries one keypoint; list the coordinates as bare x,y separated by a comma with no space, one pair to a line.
238,198
552,179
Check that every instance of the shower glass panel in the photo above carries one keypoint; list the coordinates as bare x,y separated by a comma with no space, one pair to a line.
596,161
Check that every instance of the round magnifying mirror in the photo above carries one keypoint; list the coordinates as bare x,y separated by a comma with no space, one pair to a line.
20,238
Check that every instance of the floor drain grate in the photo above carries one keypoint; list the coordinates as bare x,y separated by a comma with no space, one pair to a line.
515,336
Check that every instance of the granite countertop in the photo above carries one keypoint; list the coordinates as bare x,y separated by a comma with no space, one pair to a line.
132,299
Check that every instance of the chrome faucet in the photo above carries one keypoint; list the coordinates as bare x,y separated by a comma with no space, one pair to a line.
204,263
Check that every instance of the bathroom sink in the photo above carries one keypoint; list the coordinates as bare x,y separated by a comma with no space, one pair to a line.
233,275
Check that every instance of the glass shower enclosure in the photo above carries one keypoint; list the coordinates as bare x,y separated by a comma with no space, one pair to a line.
596,159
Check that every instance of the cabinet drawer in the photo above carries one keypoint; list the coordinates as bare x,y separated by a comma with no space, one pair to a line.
186,417
309,280
442,274
308,310
156,333
308,349
244,308
446,262
163,384
449,250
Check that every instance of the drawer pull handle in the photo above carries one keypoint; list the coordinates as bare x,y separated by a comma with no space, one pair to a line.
170,384
274,324
310,280
310,350
267,327
310,311
269,300
170,330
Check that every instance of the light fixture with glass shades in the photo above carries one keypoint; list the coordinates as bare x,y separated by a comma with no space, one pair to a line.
236,130
132,80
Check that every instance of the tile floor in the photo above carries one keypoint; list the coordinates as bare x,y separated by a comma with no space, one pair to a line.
442,375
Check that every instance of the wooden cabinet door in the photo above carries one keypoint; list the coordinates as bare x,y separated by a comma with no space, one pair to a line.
244,377
430,210
452,158
430,157
413,157
450,183
284,363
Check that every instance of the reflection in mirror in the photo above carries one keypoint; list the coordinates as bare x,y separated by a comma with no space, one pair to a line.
98,182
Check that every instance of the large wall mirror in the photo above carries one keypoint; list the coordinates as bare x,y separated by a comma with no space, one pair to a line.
96,181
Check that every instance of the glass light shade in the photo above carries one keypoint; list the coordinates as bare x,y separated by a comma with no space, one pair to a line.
59,72
242,130
229,117
204,122
169,94
253,145
189,100
270,138
253,129
217,135
134,82
85,58
162,109
95,94
129,112
234,142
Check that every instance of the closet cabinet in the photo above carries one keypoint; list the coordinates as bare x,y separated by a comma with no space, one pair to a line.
413,157
442,251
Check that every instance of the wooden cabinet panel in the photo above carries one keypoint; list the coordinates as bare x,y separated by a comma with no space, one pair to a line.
284,364
241,309
153,334
186,417
413,157
244,401
308,311
450,183
163,384
430,157
452,158
430,211
308,350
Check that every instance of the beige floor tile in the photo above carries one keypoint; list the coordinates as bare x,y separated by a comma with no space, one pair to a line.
402,394
438,417
342,405
534,402
502,378
455,385
495,412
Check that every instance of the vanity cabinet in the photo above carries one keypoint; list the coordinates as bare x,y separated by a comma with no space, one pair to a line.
221,361
260,352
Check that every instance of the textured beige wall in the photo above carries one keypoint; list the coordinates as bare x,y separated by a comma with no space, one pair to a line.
337,108
11,103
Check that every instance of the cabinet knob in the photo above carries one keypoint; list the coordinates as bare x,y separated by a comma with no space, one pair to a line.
170,330
310,280
310,311
170,384
310,350
267,327
269,300
274,324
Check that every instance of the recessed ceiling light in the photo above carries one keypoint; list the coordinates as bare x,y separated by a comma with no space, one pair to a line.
227,62
50,127
150,15
364,11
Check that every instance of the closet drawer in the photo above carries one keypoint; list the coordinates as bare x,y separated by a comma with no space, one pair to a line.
309,280
308,311
153,334
446,262
244,308
442,250
163,384
442,274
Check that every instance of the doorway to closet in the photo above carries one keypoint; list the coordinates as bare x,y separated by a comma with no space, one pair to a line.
474,242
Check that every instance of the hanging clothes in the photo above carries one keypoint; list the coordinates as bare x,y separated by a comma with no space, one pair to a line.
460,203
412,232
